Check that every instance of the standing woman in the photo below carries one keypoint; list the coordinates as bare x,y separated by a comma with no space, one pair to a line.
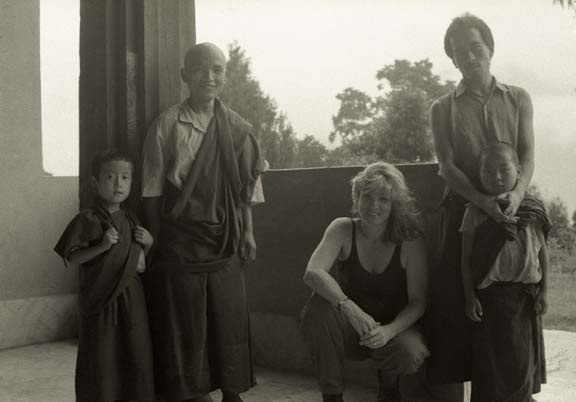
372,308
480,111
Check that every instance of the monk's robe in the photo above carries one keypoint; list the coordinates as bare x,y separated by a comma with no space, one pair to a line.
508,362
199,311
114,360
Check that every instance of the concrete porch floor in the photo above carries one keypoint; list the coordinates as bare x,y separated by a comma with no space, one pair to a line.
45,373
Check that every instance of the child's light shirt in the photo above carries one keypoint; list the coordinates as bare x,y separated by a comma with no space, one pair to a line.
518,259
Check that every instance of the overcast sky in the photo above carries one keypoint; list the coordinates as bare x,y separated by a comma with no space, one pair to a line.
305,52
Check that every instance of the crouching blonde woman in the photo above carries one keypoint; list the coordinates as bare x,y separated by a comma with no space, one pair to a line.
369,305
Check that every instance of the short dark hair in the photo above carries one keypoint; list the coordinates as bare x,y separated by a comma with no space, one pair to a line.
467,21
498,147
106,156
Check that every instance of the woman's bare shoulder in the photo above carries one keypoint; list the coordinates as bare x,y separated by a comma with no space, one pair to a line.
340,227
341,224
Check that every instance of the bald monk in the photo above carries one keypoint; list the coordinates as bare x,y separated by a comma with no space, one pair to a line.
201,164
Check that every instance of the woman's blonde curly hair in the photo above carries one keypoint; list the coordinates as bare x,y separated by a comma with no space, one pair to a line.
404,223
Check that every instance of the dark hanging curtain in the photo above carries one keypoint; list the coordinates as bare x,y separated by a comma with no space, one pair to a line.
130,58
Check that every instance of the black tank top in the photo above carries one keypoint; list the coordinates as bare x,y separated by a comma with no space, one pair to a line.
381,295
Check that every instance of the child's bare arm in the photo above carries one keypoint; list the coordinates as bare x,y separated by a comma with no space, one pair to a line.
86,254
542,299
543,260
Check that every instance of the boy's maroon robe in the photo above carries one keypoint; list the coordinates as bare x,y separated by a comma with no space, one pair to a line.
114,360
199,311
508,363
508,359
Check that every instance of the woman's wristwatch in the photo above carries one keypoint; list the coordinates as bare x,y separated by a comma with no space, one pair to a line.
341,302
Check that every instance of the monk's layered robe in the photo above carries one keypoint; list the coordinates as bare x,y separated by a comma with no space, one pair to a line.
508,363
199,311
114,360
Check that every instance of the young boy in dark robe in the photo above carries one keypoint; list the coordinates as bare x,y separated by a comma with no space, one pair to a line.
114,360
504,272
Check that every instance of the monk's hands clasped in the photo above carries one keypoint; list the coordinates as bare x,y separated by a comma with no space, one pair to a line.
110,238
247,248
363,323
377,338
143,237
473,308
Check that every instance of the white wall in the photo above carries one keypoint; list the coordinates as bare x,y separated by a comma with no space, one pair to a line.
35,289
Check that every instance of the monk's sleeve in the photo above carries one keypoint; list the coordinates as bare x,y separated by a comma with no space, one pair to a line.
251,165
84,230
258,195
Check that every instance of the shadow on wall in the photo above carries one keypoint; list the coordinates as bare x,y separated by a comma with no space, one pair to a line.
300,203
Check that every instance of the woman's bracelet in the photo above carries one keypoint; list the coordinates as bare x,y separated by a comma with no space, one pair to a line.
340,303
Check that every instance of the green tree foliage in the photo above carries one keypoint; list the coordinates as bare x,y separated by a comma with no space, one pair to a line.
406,75
563,232
403,134
566,3
284,148
534,190
310,153
354,116
558,214
243,94
278,140
392,126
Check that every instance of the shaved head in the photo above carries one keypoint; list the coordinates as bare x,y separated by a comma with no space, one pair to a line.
203,52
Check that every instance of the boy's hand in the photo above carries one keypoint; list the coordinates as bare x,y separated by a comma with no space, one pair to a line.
474,308
541,303
110,238
143,237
